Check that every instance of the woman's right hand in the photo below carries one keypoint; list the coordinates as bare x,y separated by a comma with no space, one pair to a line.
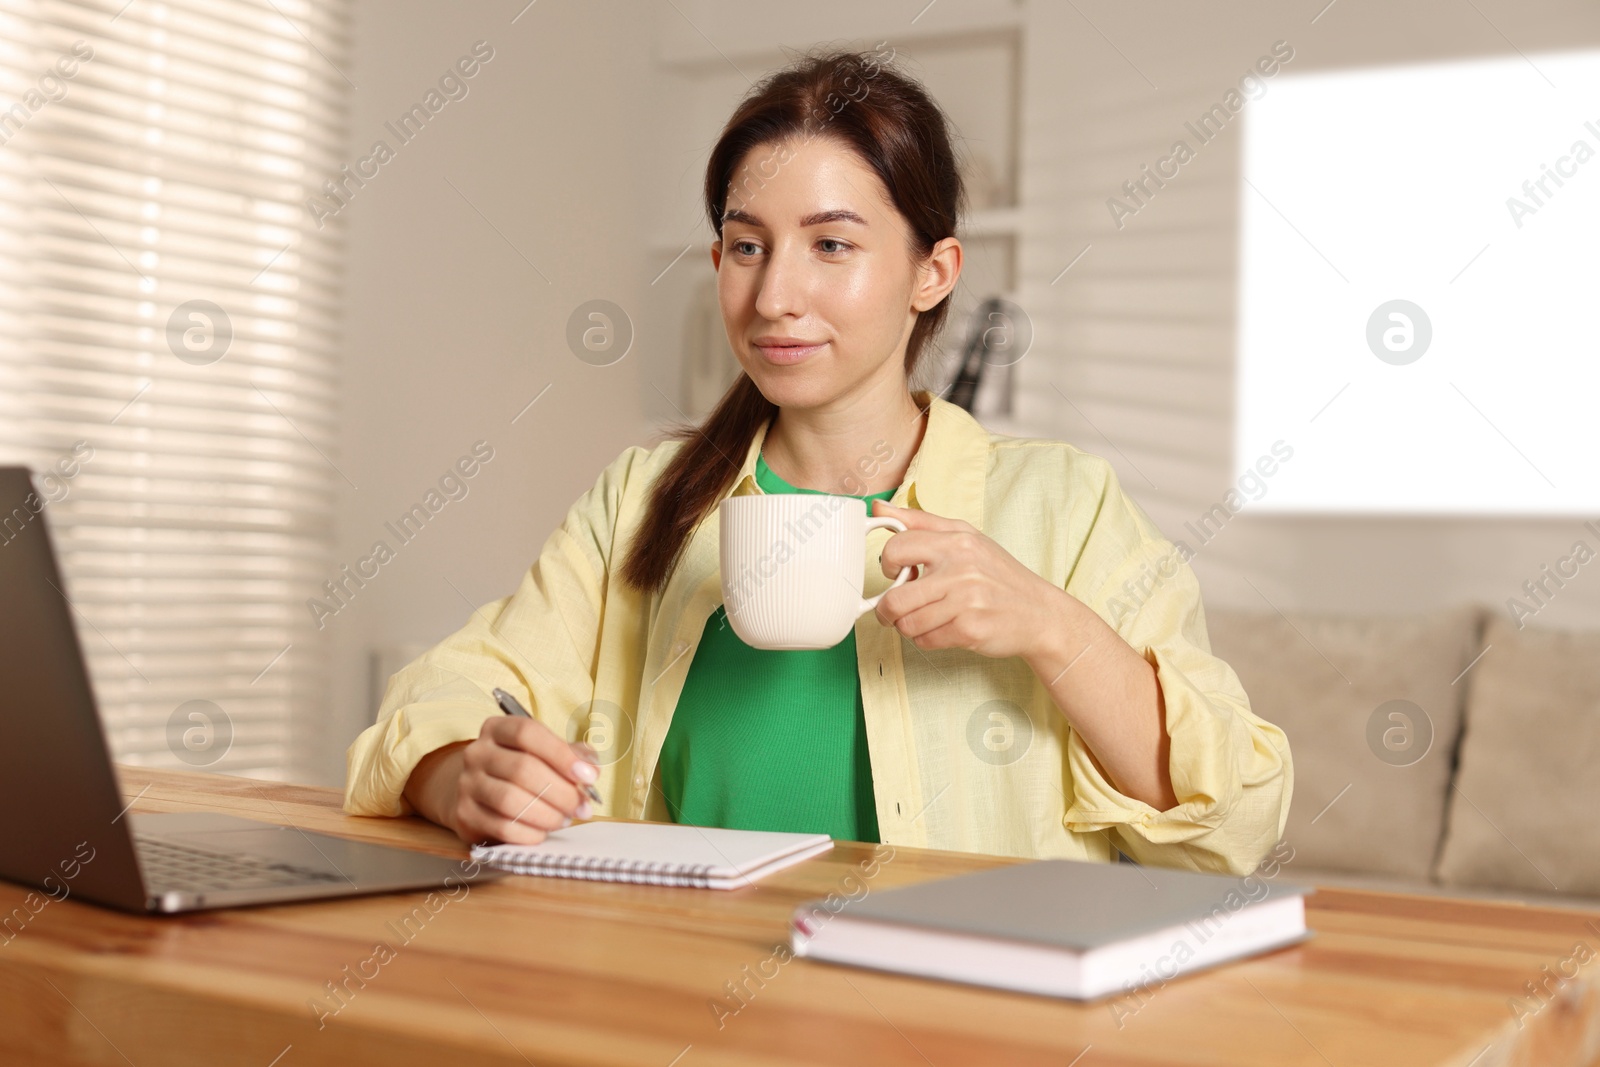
515,783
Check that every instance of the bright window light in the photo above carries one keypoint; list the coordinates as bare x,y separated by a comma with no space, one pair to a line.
1419,278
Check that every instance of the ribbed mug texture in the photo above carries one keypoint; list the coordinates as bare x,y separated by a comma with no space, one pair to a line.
792,568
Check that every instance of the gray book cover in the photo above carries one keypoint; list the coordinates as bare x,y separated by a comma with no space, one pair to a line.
1073,904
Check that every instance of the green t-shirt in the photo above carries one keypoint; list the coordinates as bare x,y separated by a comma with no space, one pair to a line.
767,739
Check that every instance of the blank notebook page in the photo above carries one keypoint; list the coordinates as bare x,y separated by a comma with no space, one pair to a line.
657,854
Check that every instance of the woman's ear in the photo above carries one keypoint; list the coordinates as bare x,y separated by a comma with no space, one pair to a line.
716,254
938,274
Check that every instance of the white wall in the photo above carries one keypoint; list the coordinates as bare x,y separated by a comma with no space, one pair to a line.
449,331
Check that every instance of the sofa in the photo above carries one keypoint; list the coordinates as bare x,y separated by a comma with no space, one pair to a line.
1450,752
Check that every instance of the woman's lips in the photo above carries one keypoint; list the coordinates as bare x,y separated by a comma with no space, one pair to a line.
785,354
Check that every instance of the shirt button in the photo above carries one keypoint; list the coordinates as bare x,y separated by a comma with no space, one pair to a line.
677,649
638,779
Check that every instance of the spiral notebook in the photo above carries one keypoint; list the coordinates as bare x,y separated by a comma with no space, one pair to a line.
653,853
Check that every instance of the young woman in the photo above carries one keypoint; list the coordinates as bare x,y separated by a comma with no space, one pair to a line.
1043,688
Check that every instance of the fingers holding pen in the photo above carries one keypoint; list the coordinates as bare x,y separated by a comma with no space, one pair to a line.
536,744
578,761
529,775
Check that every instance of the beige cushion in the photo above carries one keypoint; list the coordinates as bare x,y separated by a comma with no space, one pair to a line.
1322,678
1525,812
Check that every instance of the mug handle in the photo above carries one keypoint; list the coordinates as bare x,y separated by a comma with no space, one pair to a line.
884,522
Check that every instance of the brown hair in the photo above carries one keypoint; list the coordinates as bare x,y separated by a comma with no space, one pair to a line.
891,122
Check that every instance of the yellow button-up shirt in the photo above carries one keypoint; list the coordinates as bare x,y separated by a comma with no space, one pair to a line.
968,752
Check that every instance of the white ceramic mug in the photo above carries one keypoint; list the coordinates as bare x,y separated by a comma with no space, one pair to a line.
792,566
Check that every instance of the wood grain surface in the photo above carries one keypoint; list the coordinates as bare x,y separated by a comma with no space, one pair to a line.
554,971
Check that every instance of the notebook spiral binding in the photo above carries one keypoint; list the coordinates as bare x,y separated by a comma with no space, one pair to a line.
601,869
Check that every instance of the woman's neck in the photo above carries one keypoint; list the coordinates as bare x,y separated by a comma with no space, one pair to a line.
857,447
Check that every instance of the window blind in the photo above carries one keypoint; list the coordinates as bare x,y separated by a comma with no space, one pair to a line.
168,330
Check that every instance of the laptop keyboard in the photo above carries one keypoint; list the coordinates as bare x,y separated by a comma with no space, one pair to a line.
168,865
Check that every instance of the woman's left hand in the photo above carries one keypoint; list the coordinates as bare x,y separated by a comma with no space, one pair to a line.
971,593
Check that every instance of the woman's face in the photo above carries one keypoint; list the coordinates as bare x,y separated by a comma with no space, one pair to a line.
815,274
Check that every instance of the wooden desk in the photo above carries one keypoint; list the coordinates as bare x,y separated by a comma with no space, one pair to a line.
549,971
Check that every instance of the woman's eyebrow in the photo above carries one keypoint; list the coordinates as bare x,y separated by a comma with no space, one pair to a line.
816,218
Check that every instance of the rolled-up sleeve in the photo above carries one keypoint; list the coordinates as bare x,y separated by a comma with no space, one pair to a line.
1231,770
539,644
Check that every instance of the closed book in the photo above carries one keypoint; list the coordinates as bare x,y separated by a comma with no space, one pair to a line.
653,853
1062,928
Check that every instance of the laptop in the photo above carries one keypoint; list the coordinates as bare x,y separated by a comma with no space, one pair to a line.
67,830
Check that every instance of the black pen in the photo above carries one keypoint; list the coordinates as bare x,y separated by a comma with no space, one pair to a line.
511,706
